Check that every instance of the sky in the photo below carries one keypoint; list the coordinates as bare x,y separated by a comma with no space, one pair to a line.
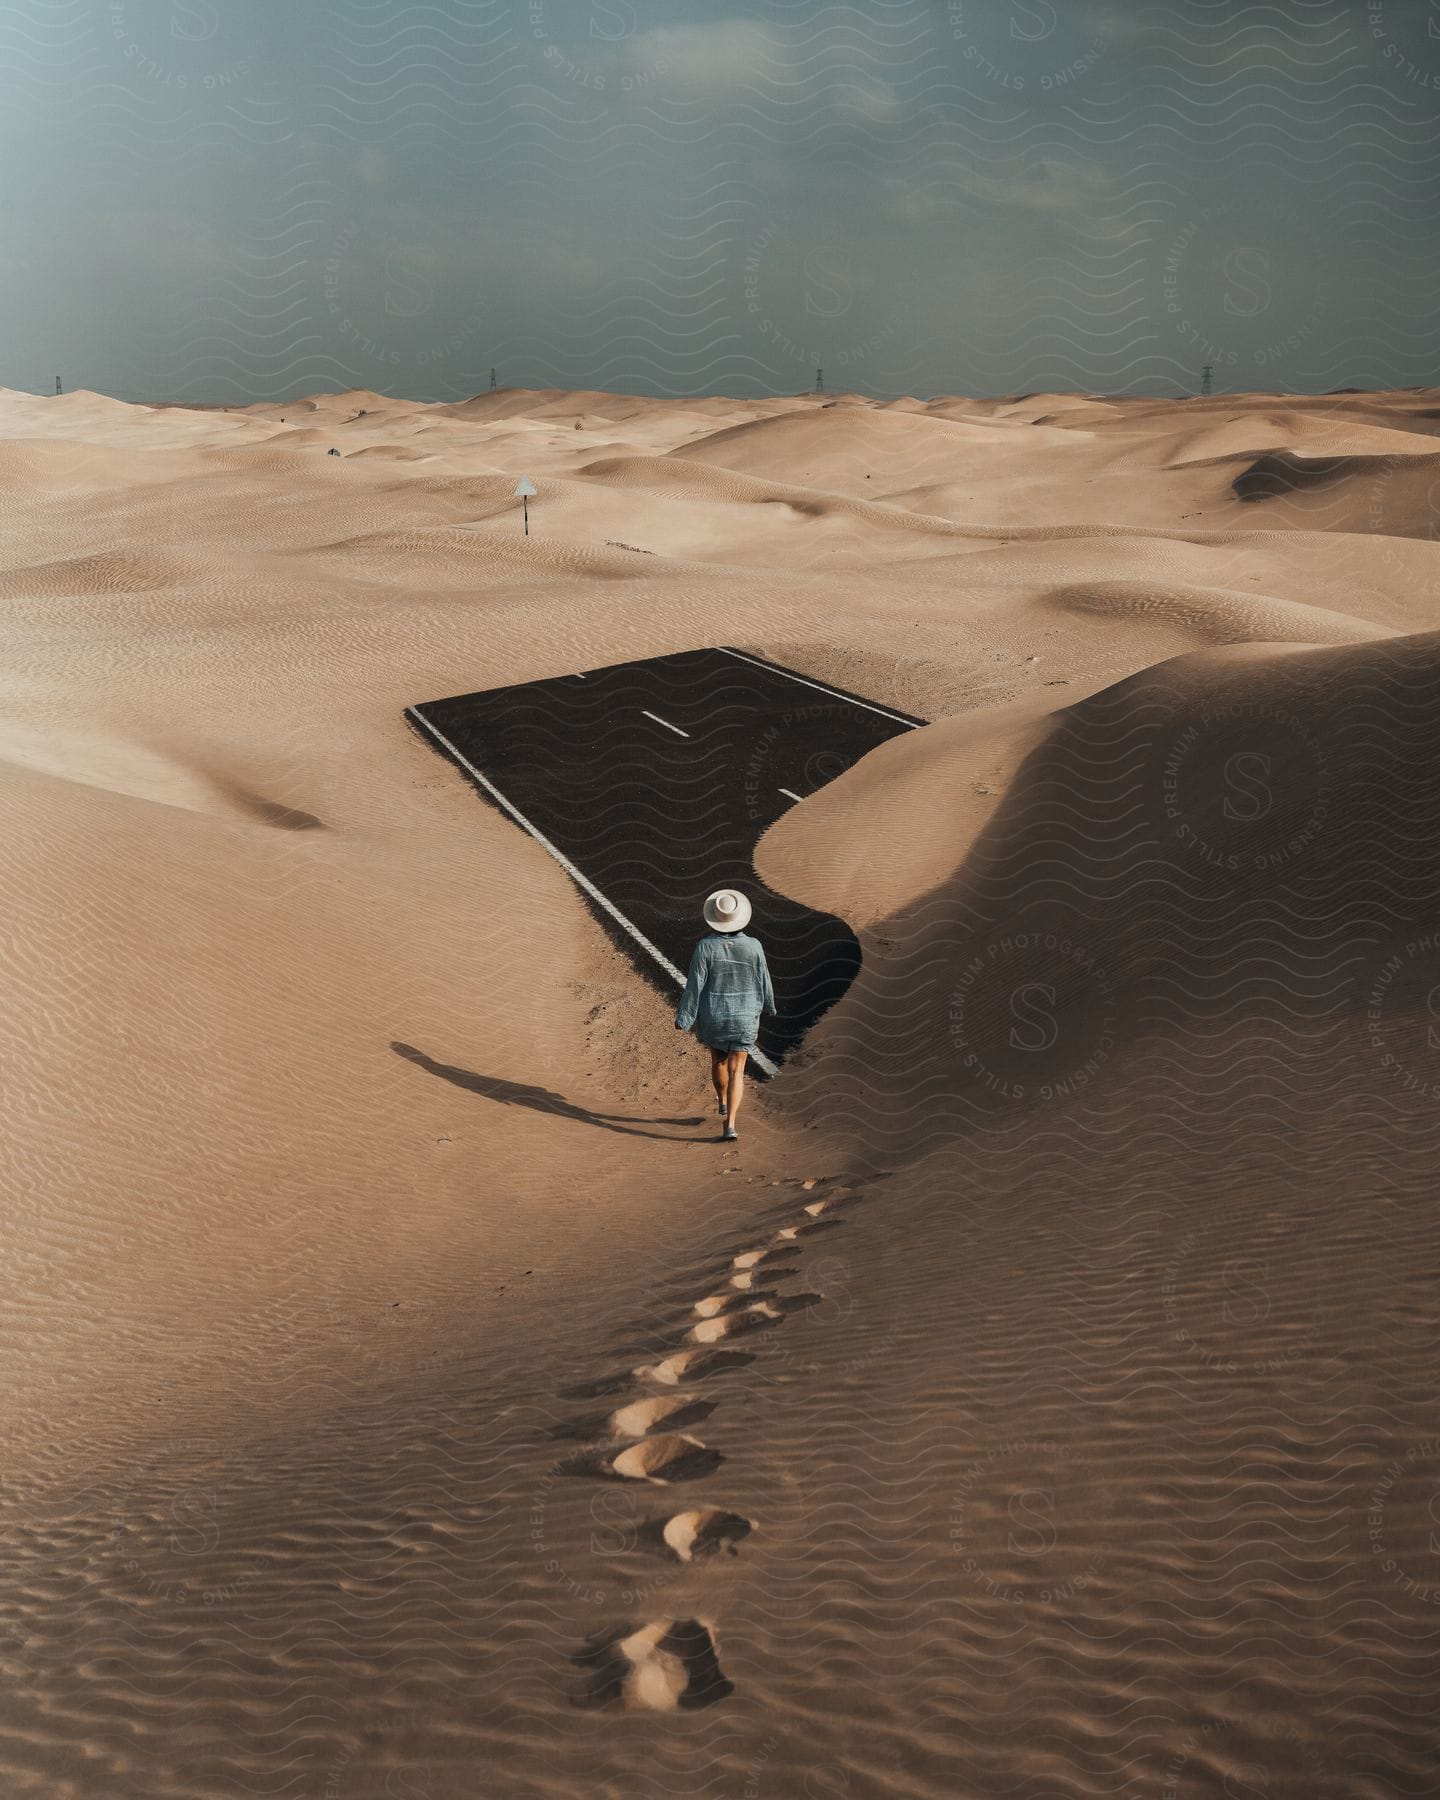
241,200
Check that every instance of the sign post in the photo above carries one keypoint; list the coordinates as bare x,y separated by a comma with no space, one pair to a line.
524,491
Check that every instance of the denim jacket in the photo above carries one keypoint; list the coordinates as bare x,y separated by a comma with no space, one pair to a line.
729,987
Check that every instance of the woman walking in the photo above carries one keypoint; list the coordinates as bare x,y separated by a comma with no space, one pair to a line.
728,989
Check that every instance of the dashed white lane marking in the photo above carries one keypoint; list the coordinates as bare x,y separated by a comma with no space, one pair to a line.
788,795
849,699
666,723
581,881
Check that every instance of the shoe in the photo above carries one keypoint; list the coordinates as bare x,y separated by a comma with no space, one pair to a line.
723,1109
728,1134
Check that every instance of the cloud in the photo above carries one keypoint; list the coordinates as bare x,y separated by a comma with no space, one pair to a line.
1044,186
716,57
727,59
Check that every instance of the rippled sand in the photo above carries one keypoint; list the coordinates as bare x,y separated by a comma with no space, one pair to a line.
407,1397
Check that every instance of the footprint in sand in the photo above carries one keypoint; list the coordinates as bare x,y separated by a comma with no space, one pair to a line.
665,1458
670,1664
693,1365
664,1666
636,1419
732,1324
713,1304
754,1281
704,1532
791,1232
748,1261
668,1458
642,1416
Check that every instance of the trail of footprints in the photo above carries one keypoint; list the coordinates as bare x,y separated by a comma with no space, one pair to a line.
666,1664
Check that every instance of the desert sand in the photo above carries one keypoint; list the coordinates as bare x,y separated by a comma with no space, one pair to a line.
406,1396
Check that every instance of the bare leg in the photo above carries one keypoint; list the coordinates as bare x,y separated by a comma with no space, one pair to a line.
720,1072
736,1091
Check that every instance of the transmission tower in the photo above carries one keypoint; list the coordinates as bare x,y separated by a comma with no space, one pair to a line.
58,388
1207,382
819,381
492,381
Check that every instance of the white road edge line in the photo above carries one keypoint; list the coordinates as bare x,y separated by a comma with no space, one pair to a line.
666,723
565,863
788,795
849,699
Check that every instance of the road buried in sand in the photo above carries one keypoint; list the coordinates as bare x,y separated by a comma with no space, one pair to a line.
651,783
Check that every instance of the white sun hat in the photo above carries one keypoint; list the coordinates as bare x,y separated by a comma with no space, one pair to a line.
726,910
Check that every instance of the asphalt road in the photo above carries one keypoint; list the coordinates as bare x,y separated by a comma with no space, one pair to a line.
652,781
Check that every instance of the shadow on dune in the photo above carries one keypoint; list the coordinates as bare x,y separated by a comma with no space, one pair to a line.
1388,495
537,1099
1204,915
1283,472
274,813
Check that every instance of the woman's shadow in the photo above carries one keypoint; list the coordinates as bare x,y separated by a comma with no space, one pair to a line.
538,1099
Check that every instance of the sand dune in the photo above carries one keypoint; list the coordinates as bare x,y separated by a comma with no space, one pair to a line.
1250,433
848,446
39,465
109,763
1323,734
393,453
401,1380
1213,615
105,571
1395,496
